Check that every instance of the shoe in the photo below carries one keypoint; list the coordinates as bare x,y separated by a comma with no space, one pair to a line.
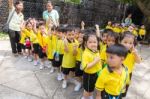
25,56
59,77
41,66
35,63
52,70
64,84
29,59
15,54
78,86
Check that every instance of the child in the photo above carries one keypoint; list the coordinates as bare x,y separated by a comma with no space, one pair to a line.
112,38
78,71
142,33
58,54
128,40
27,31
114,77
90,64
69,58
43,42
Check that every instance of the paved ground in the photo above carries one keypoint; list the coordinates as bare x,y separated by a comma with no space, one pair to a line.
19,79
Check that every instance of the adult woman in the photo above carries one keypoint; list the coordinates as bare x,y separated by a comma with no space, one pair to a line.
51,15
15,23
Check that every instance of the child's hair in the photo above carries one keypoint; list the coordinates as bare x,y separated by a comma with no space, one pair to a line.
106,31
87,33
115,35
41,23
118,50
128,34
27,22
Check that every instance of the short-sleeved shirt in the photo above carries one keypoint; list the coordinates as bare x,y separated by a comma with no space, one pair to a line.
53,15
112,82
129,62
87,57
16,20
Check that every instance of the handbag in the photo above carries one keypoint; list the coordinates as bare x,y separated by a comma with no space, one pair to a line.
5,28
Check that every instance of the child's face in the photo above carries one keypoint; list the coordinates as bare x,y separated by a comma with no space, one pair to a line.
104,37
128,42
70,35
109,22
110,41
142,27
92,43
29,26
59,34
114,61
42,29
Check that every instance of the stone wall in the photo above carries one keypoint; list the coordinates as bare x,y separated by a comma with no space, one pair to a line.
3,12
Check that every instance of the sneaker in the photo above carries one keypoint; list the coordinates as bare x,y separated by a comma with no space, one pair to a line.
41,66
52,70
35,63
59,77
25,56
29,59
78,86
64,84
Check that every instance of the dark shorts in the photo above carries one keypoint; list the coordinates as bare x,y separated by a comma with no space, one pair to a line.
66,71
78,71
36,48
28,47
105,95
23,46
89,81
57,63
41,54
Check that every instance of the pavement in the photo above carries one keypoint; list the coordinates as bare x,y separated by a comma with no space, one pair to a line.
19,79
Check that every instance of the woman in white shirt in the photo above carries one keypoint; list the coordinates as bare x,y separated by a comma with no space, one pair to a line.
17,18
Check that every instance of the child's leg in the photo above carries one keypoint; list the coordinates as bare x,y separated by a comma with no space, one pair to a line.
66,74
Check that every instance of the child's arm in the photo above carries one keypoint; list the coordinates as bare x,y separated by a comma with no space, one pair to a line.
66,46
90,65
138,59
10,4
98,94
34,26
82,25
97,30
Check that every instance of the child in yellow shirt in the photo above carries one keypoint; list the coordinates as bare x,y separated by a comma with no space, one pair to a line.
142,33
43,43
69,58
114,77
91,64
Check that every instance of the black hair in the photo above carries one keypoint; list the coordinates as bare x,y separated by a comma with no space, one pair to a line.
115,35
118,50
18,2
87,33
128,34
106,31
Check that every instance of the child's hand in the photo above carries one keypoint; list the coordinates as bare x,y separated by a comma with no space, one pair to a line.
134,50
97,59
97,27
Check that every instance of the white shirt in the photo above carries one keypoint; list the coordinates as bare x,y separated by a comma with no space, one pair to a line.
16,20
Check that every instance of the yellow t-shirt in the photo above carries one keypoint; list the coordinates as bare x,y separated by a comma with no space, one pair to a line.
135,33
69,60
142,32
129,62
109,27
103,56
88,57
117,29
59,46
79,54
49,48
112,82
102,47
42,39
23,36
